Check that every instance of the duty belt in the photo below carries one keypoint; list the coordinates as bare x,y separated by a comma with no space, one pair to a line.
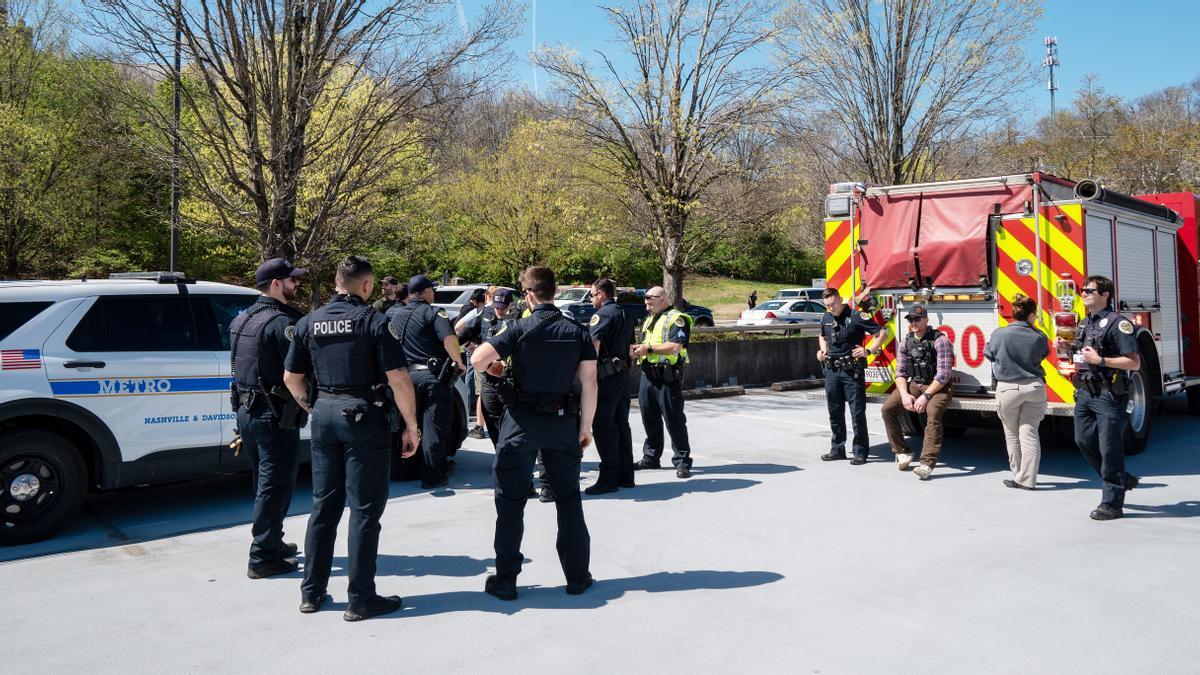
357,391
417,366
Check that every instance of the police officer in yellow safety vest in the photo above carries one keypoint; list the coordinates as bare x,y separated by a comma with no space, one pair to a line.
662,355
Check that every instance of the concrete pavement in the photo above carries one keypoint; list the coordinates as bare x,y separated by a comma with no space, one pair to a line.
766,560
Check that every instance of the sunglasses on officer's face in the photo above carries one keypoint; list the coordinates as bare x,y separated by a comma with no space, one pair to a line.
1089,291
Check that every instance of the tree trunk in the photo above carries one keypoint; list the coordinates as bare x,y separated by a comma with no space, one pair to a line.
673,284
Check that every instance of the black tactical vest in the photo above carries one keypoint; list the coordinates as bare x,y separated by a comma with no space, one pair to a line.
1095,334
922,356
341,345
249,360
547,353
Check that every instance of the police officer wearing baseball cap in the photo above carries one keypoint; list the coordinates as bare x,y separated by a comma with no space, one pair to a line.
486,325
268,419
430,347
348,349
549,352
611,332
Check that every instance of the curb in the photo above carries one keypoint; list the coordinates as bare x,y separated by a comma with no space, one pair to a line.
713,392
797,385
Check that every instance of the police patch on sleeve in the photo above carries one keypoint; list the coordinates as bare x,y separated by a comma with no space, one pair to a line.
393,330
681,322
595,320
865,315
1125,327
289,333
503,327
442,313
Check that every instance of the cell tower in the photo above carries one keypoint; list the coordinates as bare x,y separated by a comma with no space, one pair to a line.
1051,62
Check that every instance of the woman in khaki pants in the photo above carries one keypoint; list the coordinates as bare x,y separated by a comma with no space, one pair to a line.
1016,352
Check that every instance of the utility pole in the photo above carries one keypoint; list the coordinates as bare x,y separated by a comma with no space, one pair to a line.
1051,61
175,142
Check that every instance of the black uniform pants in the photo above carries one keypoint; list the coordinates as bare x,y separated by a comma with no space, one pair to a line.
274,458
844,388
614,440
523,432
1100,422
493,410
659,401
349,463
436,415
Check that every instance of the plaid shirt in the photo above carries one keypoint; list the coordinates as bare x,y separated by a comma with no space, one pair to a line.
945,360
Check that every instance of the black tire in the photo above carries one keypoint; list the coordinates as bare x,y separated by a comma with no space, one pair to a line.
1193,400
910,424
953,431
43,478
1144,399
704,322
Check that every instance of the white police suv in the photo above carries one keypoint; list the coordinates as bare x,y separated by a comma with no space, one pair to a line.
113,383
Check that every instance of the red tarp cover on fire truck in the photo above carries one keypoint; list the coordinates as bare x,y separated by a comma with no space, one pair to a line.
945,233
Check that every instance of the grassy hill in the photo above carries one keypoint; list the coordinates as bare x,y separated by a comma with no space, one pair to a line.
727,297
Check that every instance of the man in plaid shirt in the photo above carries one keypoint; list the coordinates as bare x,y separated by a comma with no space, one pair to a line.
924,373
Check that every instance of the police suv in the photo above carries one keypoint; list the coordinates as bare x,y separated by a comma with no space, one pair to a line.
113,383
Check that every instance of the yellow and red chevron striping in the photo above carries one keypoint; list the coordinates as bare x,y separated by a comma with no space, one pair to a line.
1061,259
842,274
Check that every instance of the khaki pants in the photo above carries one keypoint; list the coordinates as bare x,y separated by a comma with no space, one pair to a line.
1022,407
894,407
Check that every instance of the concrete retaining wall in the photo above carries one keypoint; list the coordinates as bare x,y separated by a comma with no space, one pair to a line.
751,362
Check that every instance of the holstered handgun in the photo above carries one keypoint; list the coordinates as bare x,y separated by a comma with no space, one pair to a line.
286,409
445,370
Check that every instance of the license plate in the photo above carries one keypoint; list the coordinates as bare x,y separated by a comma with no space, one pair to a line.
878,374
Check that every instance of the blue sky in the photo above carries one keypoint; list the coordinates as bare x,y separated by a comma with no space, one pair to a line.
1135,47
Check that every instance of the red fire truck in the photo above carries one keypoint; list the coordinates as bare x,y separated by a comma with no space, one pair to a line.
964,248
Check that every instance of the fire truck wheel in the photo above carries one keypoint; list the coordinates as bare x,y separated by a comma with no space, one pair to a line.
1193,400
1141,409
910,424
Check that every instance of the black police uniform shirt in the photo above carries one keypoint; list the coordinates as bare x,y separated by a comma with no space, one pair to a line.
273,343
610,326
847,330
345,343
484,325
678,332
1109,333
549,357
428,327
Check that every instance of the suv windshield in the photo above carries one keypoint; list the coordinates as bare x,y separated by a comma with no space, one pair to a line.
449,297
13,315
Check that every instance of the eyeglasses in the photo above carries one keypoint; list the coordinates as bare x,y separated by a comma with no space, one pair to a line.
1089,291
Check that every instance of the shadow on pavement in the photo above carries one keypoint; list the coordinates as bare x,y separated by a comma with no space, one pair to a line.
1188,509
605,591
421,565
745,469
657,492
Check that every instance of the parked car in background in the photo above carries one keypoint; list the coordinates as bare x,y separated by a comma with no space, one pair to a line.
783,312
810,292
571,295
454,298
632,302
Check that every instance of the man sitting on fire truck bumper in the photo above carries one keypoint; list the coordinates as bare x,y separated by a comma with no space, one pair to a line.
923,374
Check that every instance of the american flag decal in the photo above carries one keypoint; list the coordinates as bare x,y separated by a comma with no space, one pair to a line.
20,359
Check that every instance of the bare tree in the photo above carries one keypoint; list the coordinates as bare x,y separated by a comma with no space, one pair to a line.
906,79
303,118
677,130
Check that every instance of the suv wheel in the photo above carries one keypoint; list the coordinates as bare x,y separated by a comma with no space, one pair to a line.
43,478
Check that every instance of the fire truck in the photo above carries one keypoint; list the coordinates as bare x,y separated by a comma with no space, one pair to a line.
965,248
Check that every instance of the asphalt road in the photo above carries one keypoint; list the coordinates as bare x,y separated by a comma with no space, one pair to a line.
766,560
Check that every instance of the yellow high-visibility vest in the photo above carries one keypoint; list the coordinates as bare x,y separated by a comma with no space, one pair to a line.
655,333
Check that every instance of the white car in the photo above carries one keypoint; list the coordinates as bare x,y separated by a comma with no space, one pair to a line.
114,383
810,292
783,312
454,298
572,295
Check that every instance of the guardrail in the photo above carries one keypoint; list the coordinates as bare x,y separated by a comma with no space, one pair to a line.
796,330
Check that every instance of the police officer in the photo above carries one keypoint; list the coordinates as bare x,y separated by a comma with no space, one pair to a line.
549,352
479,331
612,333
662,354
1105,352
259,339
843,360
390,294
351,355
430,347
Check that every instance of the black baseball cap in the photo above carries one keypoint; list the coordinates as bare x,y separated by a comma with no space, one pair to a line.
419,283
276,268
502,297
917,312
